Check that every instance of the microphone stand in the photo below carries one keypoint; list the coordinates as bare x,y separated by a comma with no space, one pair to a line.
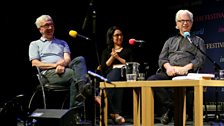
97,56
90,7
92,12
217,67
105,80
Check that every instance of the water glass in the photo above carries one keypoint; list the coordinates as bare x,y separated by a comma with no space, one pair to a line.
221,74
132,71
141,76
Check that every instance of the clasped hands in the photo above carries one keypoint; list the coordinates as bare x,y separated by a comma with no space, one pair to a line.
176,70
60,68
114,53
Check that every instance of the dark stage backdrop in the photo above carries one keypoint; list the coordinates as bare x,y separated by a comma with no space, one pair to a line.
137,19
209,22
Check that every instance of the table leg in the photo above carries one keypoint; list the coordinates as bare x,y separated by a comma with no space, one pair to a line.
136,106
147,106
198,105
103,108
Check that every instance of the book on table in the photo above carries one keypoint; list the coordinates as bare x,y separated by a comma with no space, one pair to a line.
195,76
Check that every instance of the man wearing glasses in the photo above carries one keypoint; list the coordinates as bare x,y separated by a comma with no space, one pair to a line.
52,56
178,57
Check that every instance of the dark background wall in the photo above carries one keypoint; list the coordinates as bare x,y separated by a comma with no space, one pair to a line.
153,22
18,30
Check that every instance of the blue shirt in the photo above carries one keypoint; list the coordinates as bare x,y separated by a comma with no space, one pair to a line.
48,51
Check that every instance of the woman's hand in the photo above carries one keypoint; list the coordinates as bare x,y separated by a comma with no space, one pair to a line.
114,54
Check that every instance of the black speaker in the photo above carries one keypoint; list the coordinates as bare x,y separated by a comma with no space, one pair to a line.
53,117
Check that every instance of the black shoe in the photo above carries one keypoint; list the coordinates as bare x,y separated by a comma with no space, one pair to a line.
78,115
84,92
80,97
77,118
166,117
189,118
87,89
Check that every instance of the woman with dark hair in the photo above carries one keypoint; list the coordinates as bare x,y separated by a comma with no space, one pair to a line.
113,58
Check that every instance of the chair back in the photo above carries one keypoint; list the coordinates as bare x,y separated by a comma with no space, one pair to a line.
45,85
42,80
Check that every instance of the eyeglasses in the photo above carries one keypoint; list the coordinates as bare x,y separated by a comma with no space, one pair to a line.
47,25
117,35
182,21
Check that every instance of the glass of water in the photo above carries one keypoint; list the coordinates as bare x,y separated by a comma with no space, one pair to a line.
221,74
141,76
132,71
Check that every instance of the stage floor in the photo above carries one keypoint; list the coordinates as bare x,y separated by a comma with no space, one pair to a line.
129,122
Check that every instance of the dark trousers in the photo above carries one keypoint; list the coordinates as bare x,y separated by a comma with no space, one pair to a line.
164,97
115,96
75,77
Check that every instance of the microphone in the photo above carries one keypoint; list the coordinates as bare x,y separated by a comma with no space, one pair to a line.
133,41
74,34
217,67
187,35
97,75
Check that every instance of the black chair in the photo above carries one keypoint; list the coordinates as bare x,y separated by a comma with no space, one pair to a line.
45,87
217,113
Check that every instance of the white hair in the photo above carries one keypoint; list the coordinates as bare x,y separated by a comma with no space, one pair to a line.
182,12
41,19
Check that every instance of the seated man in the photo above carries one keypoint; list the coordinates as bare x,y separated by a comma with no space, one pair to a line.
52,56
178,57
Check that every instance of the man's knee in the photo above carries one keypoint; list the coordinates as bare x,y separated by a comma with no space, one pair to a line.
77,60
80,58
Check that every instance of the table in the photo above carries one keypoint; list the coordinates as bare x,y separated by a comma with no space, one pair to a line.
143,100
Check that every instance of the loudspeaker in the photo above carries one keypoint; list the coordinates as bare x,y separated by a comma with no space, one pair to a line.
53,117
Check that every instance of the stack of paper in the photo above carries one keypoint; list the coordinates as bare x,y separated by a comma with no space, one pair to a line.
195,76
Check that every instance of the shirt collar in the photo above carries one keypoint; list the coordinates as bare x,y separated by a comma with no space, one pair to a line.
45,39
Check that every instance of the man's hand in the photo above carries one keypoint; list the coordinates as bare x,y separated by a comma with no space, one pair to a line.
181,70
60,69
171,71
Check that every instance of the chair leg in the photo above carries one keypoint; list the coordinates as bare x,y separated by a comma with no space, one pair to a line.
65,99
31,99
84,111
44,97
205,105
206,112
217,114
